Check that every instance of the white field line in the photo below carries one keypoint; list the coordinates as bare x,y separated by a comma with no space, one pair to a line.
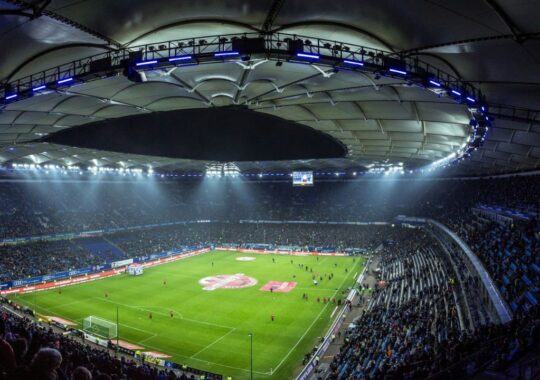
317,288
211,344
323,260
138,329
274,369
68,304
147,339
334,312
207,362
153,311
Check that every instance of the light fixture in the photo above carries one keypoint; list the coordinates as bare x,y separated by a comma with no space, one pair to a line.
225,53
354,63
306,55
397,71
65,80
39,88
146,63
182,58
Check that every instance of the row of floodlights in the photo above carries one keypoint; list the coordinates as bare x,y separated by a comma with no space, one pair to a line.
433,82
380,171
75,168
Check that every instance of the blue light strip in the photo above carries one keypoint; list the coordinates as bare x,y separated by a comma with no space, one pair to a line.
355,63
435,83
225,53
456,92
145,63
39,88
305,55
66,80
12,96
183,58
398,71
472,100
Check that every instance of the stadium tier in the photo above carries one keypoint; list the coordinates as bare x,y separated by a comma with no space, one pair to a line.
269,190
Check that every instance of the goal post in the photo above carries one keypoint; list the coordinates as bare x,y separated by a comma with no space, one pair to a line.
101,327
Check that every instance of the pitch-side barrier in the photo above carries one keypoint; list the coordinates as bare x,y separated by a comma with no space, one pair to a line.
334,328
280,252
98,276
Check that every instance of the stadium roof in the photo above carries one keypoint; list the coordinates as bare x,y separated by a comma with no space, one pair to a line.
492,45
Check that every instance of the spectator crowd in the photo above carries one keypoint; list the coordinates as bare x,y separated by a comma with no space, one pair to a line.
425,318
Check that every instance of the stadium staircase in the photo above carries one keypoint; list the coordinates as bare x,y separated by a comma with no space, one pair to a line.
103,248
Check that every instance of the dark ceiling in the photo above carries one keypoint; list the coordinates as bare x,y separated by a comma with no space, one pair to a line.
493,44
223,134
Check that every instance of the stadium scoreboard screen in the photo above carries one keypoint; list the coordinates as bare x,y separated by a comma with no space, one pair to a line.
302,178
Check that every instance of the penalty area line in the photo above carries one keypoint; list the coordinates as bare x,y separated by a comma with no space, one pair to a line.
152,310
211,344
209,362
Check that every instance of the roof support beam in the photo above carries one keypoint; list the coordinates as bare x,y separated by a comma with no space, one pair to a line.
51,50
272,14
189,88
42,11
506,19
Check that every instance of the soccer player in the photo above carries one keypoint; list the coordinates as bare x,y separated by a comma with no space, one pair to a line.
165,282
150,315
172,314
273,318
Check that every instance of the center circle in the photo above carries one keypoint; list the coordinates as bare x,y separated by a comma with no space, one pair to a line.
227,281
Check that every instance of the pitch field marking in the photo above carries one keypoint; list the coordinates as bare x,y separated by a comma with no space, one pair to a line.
158,313
310,326
147,339
317,288
211,344
67,304
208,362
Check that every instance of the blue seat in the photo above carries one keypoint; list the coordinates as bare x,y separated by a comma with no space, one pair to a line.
531,298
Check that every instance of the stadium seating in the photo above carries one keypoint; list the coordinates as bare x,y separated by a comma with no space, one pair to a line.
425,318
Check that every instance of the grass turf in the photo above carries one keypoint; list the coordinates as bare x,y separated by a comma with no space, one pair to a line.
209,329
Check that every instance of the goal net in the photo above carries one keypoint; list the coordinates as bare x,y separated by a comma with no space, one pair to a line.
101,327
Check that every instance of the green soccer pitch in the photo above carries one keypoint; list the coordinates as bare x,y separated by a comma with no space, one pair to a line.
210,329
